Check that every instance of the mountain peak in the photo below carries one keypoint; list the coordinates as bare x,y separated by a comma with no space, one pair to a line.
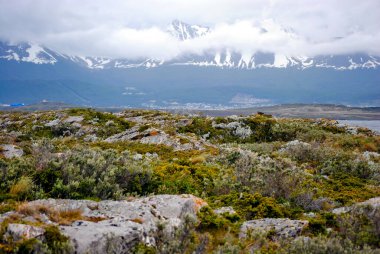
184,31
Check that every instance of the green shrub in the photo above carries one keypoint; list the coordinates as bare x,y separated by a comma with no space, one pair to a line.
210,220
251,206
56,241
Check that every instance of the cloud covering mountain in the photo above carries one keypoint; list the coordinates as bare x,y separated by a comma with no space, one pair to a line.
139,29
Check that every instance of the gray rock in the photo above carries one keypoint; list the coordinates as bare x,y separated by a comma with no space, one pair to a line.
76,125
52,123
124,223
129,134
224,210
137,157
109,123
373,204
90,138
21,231
73,119
11,151
283,228
294,144
243,132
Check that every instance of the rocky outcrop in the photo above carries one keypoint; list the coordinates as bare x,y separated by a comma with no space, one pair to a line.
238,129
156,137
281,228
119,224
370,205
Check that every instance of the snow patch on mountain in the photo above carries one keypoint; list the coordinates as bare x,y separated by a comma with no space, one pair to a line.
38,55
183,31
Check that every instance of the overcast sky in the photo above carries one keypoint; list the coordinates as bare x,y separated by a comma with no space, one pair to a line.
138,28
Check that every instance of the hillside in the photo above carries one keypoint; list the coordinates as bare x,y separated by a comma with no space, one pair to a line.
144,181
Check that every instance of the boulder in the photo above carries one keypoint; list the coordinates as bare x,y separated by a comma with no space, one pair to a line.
282,228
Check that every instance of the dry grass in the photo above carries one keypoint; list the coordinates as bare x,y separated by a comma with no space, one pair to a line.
64,217
198,159
138,220
22,187
35,210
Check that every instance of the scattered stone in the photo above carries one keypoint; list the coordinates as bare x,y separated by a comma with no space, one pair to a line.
243,132
73,119
76,125
282,228
11,151
52,123
110,123
369,155
226,209
127,135
310,215
294,145
90,138
137,157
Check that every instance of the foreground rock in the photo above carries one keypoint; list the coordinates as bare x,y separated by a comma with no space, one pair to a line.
282,228
118,225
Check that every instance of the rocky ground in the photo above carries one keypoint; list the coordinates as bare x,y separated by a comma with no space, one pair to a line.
82,181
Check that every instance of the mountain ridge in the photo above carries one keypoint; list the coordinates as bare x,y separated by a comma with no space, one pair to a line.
224,58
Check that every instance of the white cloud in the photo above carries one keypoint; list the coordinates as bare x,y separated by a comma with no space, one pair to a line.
137,29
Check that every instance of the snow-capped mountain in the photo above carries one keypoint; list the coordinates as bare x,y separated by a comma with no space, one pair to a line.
34,53
183,31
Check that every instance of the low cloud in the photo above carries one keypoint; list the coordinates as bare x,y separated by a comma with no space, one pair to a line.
248,99
131,29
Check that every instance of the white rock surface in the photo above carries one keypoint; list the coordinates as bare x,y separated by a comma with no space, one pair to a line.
21,231
124,223
283,228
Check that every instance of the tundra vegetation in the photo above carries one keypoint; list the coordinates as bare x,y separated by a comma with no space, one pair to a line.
259,166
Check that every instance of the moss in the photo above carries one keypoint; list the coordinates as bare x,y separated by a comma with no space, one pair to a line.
143,249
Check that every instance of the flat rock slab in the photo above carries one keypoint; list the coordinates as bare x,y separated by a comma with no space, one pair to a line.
283,228
123,223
